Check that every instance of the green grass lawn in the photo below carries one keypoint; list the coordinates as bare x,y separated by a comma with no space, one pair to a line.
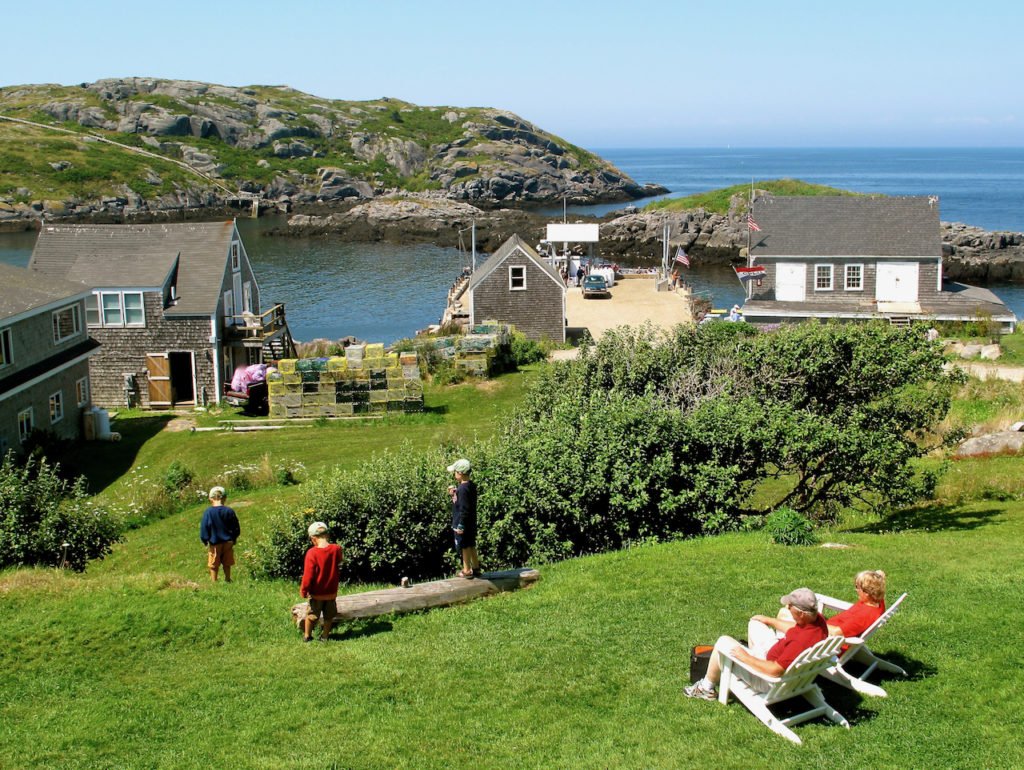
141,662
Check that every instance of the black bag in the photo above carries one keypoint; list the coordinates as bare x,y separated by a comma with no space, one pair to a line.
700,656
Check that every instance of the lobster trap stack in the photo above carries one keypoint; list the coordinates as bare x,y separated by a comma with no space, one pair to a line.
482,352
364,381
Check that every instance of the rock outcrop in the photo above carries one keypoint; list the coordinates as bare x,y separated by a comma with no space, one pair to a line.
490,157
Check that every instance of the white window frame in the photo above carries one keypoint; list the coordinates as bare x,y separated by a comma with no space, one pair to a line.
82,391
236,256
6,348
247,296
56,407
122,312
26,423
229,307
846,277
830,277
513,278
76,323
93,299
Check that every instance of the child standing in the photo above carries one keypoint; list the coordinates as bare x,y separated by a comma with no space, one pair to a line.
320,580
464,518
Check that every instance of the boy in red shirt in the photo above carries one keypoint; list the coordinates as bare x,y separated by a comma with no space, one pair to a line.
320,580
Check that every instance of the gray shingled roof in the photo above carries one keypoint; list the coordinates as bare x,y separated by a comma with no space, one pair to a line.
142,256
846,226
22,290
499,256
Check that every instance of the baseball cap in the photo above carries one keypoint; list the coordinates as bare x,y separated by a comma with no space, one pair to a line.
218,493
459,466
317,529
802,598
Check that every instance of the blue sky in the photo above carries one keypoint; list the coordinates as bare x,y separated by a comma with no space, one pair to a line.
600,74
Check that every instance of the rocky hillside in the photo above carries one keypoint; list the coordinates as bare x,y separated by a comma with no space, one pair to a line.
135,145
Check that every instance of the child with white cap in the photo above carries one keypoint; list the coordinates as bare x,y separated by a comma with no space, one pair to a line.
320,575
464,517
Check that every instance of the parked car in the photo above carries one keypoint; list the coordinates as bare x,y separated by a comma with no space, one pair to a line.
595,286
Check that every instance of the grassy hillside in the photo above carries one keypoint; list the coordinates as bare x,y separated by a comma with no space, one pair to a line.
141,662
717,201
252,136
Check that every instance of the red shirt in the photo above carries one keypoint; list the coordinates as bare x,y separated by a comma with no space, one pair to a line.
796,640
320,572
855,621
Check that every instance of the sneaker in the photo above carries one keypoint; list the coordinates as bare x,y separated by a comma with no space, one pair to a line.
698,691
477,572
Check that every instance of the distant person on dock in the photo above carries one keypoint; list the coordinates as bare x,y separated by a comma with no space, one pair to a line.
464,517
320,581
734,314
580,273
219,531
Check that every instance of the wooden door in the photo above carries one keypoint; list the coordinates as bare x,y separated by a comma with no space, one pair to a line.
896,282
790,281
158,372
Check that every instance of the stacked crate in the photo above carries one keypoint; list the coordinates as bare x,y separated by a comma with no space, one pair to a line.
480,352
366,380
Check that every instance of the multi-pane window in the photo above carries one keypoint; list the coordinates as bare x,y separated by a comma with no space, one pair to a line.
57,407
517,277
854,277
6,354
25,423
823,277
82,391
115,308
66,323
236,250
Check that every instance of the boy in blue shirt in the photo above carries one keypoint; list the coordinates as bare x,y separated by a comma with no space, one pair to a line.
219,530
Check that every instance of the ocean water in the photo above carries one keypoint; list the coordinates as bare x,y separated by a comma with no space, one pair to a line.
382,292
978,186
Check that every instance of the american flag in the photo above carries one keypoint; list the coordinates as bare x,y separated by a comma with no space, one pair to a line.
681,257
751,224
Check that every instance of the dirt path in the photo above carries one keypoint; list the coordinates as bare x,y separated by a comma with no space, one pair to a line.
991,371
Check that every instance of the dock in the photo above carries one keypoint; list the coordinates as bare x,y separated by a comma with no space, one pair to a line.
633,301
421,596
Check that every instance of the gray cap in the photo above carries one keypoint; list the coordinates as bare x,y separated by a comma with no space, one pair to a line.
802,598
459,466
317,529
218,493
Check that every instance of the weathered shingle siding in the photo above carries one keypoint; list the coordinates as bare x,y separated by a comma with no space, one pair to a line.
537,311
927,279
32,338
124,351
38,397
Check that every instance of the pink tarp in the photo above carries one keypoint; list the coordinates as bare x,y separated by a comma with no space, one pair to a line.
247,375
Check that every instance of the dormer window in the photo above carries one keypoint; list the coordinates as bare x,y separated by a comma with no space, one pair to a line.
236,256
66,323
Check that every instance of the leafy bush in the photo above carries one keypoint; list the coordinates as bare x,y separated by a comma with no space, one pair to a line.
177,478
391,517
660,435
526,351
787,527
39,512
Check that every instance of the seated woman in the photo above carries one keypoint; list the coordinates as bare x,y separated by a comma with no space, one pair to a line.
868,608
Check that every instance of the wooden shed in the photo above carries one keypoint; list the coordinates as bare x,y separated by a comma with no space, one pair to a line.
517,286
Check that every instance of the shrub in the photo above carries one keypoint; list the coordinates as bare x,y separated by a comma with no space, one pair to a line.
525,351
787,527
391,517
177,478
39,512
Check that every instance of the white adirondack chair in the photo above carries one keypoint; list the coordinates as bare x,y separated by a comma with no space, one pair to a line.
858,651
798,679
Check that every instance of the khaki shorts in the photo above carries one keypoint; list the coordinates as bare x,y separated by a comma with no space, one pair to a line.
221,553
326,607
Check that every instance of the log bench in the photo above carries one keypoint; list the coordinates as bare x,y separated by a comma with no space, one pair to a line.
421,596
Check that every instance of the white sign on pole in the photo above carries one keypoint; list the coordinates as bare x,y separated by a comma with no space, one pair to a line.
575,233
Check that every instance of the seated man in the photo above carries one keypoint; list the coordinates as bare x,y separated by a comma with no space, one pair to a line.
766,654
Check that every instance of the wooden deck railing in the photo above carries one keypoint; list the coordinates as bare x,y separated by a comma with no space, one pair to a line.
258,327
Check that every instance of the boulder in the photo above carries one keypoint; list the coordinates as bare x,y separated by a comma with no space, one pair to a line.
991,352
1005,442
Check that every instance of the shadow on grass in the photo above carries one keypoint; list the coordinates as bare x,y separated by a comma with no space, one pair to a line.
933,518
103,462
362,628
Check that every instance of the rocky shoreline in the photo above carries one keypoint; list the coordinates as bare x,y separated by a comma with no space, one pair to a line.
631,235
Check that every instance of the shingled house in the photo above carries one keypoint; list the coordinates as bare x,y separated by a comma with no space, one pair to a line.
44,356
516,286
856,257
176,307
